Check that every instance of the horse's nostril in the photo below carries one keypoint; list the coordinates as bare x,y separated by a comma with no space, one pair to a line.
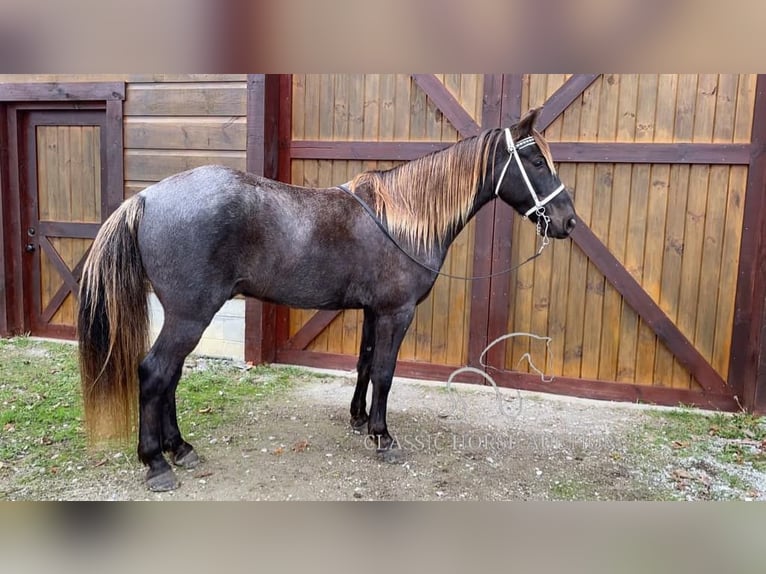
570,224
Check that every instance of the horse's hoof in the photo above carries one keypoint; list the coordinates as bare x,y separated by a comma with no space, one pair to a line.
358,424
188,460
162,482
390,455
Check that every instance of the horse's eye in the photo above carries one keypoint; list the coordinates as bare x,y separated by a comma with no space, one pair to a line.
538,163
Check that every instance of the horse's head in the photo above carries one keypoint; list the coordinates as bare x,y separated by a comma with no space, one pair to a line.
526,179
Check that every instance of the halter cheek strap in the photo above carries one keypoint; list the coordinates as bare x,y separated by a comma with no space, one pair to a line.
513,149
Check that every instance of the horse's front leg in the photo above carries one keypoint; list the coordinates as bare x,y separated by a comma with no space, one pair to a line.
359,416
389,333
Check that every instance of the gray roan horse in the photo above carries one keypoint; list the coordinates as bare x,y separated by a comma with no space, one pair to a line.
205,235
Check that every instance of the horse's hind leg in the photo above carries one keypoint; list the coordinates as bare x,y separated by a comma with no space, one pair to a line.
181,452
359,416
159,373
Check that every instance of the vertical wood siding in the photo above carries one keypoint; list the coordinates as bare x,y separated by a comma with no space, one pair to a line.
676,229
371,107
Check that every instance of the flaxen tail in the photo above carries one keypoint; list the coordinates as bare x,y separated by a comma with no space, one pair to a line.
113,324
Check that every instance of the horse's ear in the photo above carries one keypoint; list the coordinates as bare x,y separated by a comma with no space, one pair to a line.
526,123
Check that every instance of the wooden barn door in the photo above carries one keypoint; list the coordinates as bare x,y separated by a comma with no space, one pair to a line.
641,303
62,177
335,126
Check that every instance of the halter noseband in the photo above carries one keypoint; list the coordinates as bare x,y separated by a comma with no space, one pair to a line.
513,149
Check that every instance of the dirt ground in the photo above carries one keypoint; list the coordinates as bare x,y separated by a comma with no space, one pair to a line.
458,443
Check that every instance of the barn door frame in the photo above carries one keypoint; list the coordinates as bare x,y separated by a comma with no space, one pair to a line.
15,100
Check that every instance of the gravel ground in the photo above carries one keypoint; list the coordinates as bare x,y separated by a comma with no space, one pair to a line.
462,442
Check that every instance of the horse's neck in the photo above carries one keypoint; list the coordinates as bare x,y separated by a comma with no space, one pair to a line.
483,196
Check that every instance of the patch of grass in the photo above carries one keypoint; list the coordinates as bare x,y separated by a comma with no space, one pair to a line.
41,418
571,490
40,407
211,397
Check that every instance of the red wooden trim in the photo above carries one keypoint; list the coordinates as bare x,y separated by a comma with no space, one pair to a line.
61,267
361,150
746,342
12,228
513,84
460,119
583,388
263,120
318,322
44,91
414,369
563,98
62,292
115,173
675,153
285,134
4,193
68,229
625,392
635,296
284,129
501,293
484,238
563,152
260,336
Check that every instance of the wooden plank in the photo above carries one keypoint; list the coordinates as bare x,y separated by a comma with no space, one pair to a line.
652,314
671,267
676,153
113,154
597,287
63,212
625,129
44,91
262,140
751,286
730,256
5,261
297,113
318,322
179,132
654,248
91,184
631,354
584,281
585,388
578,278
77,175
564,152
154,165
557,103
193,99
440,302
73,230
136,78
501,101
423,323
447,104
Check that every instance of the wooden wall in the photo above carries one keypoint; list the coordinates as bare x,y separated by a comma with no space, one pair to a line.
173,122
676,228
379,108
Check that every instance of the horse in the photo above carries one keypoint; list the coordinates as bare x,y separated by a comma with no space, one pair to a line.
203,236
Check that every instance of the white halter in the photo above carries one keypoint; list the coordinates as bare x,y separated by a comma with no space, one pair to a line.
513,149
